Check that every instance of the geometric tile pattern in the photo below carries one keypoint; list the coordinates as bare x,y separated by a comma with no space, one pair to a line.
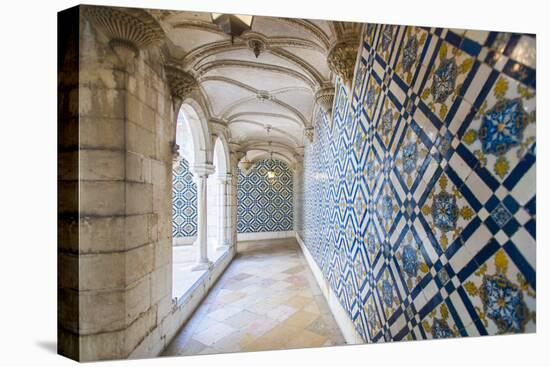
184,201
265,204
419,196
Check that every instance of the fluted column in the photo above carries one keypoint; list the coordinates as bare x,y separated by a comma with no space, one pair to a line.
201,173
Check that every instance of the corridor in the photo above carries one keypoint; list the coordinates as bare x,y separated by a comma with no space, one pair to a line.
402,159
267,299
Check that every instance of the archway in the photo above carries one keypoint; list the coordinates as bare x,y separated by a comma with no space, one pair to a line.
193,147
218,201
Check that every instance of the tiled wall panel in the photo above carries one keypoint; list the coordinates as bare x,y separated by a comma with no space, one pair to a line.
265,204
419,203
184,203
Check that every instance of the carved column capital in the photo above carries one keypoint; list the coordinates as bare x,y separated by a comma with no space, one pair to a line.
203,170
324,97
341,59
128,30
309,133
181,83
175,152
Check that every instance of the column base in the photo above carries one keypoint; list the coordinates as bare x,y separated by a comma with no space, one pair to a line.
203,265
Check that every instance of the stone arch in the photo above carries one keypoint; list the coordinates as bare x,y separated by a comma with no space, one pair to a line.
192,112
221,153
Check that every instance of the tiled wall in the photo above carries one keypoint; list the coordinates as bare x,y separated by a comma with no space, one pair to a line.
265,204
184,203
419,203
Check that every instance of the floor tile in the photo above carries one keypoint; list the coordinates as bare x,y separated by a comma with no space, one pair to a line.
267,299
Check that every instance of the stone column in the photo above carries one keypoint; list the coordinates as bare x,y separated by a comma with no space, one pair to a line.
298,200
201,173
234,159
115,248
223,242
229,226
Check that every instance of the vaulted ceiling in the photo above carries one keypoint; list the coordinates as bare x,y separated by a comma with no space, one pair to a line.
248,94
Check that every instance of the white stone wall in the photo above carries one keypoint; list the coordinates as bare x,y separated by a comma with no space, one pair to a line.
118,263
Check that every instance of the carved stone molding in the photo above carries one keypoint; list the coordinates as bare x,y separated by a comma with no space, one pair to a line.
245,64
181,83
218,128
131,28
309,133
263,95
175,151
341,59
325,98
234,148
203,170
298,158
257,45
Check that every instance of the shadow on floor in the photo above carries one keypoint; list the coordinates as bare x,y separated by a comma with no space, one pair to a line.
48,345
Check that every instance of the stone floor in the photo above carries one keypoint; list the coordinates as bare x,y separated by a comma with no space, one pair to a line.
267,299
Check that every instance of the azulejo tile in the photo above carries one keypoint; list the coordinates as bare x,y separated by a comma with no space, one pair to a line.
388,122
410,157
401,211
439,324
184,201
503,129
502,298
447,211
371,96
411,48
386,40
411,264
388,294
444,81
265,204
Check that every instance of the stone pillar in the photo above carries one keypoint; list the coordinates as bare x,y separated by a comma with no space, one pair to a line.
229,227
234,159
115,245
223,203
298,191
201,173
221,212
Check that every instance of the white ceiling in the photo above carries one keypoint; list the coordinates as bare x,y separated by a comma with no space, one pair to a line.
248,93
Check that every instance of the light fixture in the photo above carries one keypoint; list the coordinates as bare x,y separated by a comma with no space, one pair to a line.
245,164
270,172
232,24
